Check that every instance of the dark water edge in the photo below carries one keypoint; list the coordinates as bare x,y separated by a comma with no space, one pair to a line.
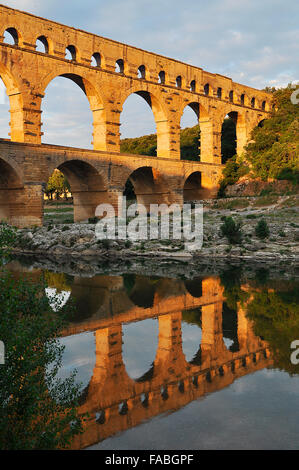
189,268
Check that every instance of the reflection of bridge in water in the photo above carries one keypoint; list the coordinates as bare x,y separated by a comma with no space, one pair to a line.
116,402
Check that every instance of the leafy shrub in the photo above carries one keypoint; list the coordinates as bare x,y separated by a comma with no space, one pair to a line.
232,230
262,230
232,172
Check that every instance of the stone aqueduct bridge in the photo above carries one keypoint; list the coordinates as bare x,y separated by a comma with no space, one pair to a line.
99,175
115,402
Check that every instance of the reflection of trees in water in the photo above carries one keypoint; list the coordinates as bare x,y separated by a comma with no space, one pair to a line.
58,281
231,280
129,282
140,290
274,310
230,328
58,289
275,317
192,318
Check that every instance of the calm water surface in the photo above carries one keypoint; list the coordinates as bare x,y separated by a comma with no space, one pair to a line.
182,364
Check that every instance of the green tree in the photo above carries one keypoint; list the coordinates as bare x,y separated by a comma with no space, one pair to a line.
37,409
57,185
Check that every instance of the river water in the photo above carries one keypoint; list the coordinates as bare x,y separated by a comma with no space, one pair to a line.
176,363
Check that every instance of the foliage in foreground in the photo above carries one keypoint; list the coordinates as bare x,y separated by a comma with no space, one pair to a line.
37,409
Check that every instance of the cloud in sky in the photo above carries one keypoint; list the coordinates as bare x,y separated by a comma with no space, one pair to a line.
253,42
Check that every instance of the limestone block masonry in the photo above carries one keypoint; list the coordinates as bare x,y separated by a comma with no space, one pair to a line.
119,70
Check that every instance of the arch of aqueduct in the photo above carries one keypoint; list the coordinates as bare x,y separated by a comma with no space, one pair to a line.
99,175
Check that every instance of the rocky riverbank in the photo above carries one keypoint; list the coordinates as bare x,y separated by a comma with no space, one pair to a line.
279,247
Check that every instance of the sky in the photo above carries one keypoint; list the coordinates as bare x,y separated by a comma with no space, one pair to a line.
253,42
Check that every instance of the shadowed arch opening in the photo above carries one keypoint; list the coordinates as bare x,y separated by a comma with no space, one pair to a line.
194,287
86,188
145,185
192,335
144,128
72,118
206,89
140,290
119,66
193,86
71,53
190,133
11,194
141,72
230,328
265,106
140,343
229,136
233,135
11,36
96,60
197,187
42,45
178,82
161,77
